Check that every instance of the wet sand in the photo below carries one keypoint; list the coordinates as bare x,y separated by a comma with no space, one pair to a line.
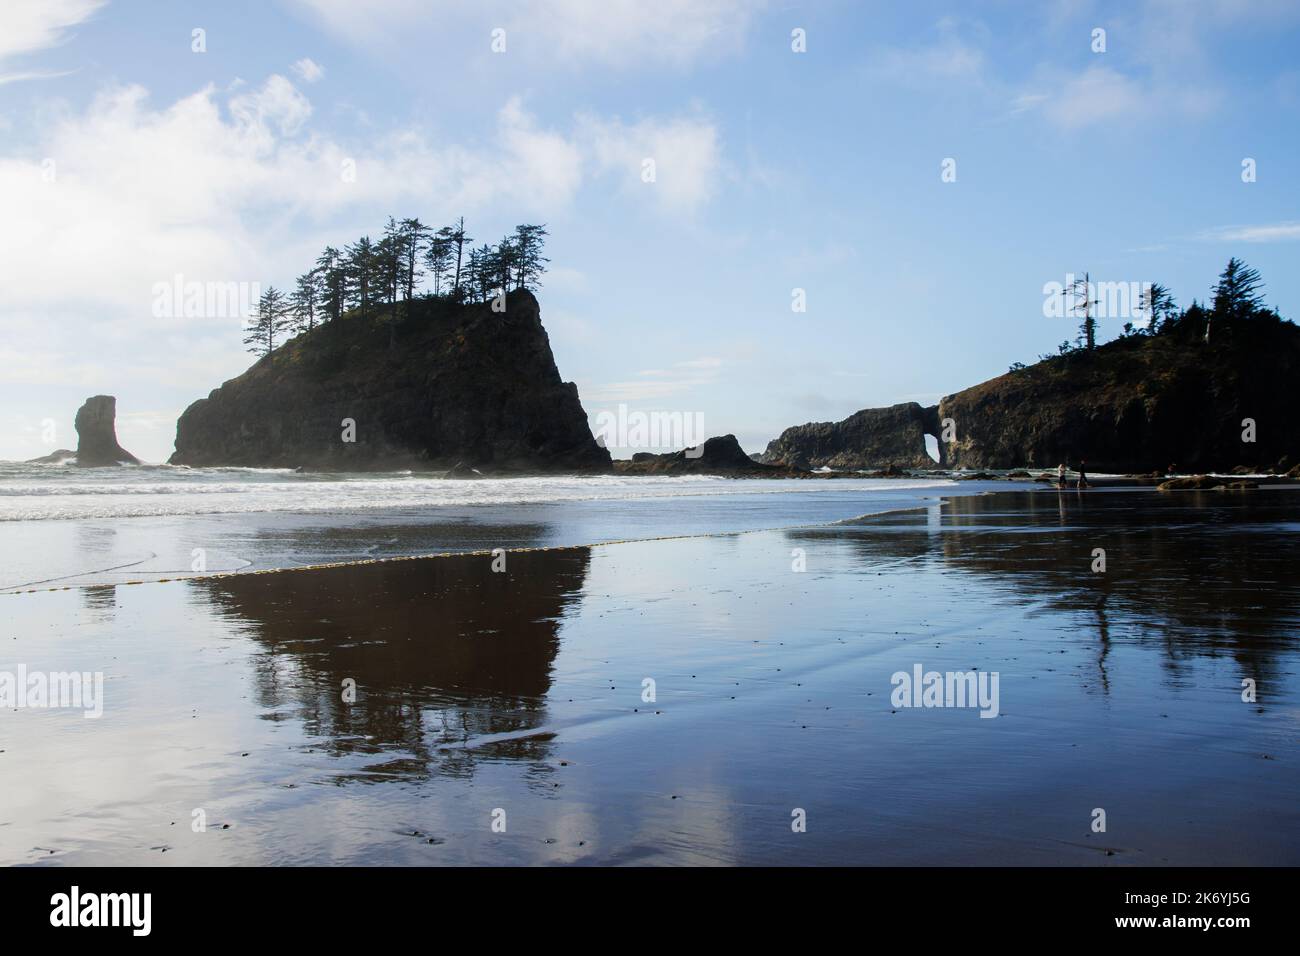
522,692
115,549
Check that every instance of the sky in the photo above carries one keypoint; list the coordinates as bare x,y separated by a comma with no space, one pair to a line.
915,175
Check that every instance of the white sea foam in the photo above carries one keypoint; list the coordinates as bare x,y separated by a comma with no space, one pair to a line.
31,492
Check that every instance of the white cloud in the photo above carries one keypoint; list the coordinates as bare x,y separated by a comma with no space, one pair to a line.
30,25
308,70
657,383
1272,232
953,58
135,194
615,33
685,153
1027,101
277,104
19,77
1101,94
1095,95
239,186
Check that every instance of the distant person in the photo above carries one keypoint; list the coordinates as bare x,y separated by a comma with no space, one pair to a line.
1060,475
1083,473
1171,470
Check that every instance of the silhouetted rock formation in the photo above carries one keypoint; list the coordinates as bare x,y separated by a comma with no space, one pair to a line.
97,434
450,387
1139,403
717,456
54,457
1136,404
871,438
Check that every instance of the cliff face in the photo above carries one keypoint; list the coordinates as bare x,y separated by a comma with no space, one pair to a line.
1139,404
450,385
96,425
871,438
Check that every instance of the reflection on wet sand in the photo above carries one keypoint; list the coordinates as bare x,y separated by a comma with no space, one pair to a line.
441,652
389,536
1188,574
100,600
523,691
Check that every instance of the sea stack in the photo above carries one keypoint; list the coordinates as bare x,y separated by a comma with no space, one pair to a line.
466,388
871,438
97,434
721,455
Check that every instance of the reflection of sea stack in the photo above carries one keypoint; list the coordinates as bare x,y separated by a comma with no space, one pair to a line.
440,649
97,436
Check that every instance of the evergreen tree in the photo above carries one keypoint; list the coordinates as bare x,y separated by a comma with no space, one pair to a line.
268,321
334,283
361,274
1080,293
483,277
438,256
1159,306
305,301
529,262
389,259
505,260
459,237
366,273
414,238
1236,294
473,267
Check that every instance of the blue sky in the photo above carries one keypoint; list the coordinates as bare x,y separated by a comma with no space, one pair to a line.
127,158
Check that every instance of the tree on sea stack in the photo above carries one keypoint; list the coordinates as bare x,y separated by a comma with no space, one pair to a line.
459,237
361,273
414,237
269,320
438,256
1236,294
388,263
334,283
305,301
1159,306
1080,291
529,261
388,272
503,260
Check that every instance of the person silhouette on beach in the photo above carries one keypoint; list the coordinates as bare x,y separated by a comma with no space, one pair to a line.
1083,476
1060,475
